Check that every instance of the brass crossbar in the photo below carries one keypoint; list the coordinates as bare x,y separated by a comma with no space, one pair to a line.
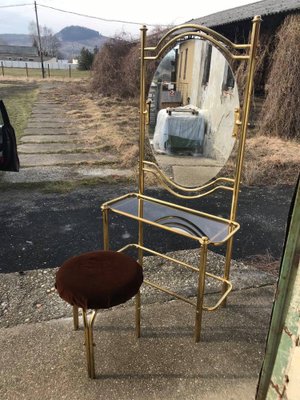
185,265
184,188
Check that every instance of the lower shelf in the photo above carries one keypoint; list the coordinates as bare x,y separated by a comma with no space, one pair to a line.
185,265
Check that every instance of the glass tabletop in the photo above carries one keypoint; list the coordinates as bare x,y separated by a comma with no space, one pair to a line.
169,216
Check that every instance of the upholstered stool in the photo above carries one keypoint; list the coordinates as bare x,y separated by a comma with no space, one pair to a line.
98,280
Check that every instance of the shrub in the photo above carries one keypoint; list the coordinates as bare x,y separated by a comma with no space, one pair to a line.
116,69
108,75
280,114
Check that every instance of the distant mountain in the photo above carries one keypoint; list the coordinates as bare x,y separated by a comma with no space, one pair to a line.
77,33
72,39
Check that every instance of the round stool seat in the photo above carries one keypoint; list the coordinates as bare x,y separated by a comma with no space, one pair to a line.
99,279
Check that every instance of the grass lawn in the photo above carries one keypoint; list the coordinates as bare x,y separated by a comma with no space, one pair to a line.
37,73
18,98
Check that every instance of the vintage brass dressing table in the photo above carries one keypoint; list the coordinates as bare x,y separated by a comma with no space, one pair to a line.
192,117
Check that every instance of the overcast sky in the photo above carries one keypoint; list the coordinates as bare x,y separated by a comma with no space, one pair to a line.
150,12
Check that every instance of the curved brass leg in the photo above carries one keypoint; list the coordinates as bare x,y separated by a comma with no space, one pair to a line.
227,268
89,343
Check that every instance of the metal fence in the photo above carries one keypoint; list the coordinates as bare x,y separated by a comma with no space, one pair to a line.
50,69
37,65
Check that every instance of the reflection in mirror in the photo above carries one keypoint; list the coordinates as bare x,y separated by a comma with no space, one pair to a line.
193,96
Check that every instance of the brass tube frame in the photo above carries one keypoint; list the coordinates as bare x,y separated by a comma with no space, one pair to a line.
143,109
245,114
105,228
201,289
234,226
188,266
242,141
170,292
109,204
166,228
89,341
182,196
204,29
143,114
232,52
105,217
223,49
158,172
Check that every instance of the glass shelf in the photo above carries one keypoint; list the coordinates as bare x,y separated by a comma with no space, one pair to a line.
171,217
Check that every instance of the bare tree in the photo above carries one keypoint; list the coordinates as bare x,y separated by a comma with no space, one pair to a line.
50,43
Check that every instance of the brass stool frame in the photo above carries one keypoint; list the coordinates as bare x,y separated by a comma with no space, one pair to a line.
88,323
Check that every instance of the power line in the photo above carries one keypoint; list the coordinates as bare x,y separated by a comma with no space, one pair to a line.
17,5
84,15
99,18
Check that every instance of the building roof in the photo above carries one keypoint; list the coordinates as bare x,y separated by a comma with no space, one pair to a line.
248,11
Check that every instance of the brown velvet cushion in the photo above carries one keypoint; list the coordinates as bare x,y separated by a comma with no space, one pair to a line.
99,279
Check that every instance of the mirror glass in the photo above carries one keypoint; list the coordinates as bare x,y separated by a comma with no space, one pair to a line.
193,97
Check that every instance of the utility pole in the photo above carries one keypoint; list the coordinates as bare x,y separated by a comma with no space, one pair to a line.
39,39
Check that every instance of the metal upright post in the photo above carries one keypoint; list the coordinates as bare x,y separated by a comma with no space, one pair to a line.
201,288
240,158
39,39
141,174
142,110
105,228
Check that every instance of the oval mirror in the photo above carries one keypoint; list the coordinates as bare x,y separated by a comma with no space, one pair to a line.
193,97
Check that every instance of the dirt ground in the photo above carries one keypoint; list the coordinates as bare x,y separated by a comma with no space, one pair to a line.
112,123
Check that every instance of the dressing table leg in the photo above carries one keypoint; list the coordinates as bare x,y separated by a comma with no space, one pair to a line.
201,288
105,229
138,295
227,268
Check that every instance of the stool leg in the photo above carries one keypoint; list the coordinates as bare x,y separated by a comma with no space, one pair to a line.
138,314
89,342
75,318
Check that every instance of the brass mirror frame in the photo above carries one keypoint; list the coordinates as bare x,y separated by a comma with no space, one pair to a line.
246,53
233,53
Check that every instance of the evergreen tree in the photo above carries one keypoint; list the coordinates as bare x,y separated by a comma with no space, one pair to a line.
85,59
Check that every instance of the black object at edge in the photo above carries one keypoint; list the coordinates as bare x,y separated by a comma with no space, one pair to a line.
9,160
